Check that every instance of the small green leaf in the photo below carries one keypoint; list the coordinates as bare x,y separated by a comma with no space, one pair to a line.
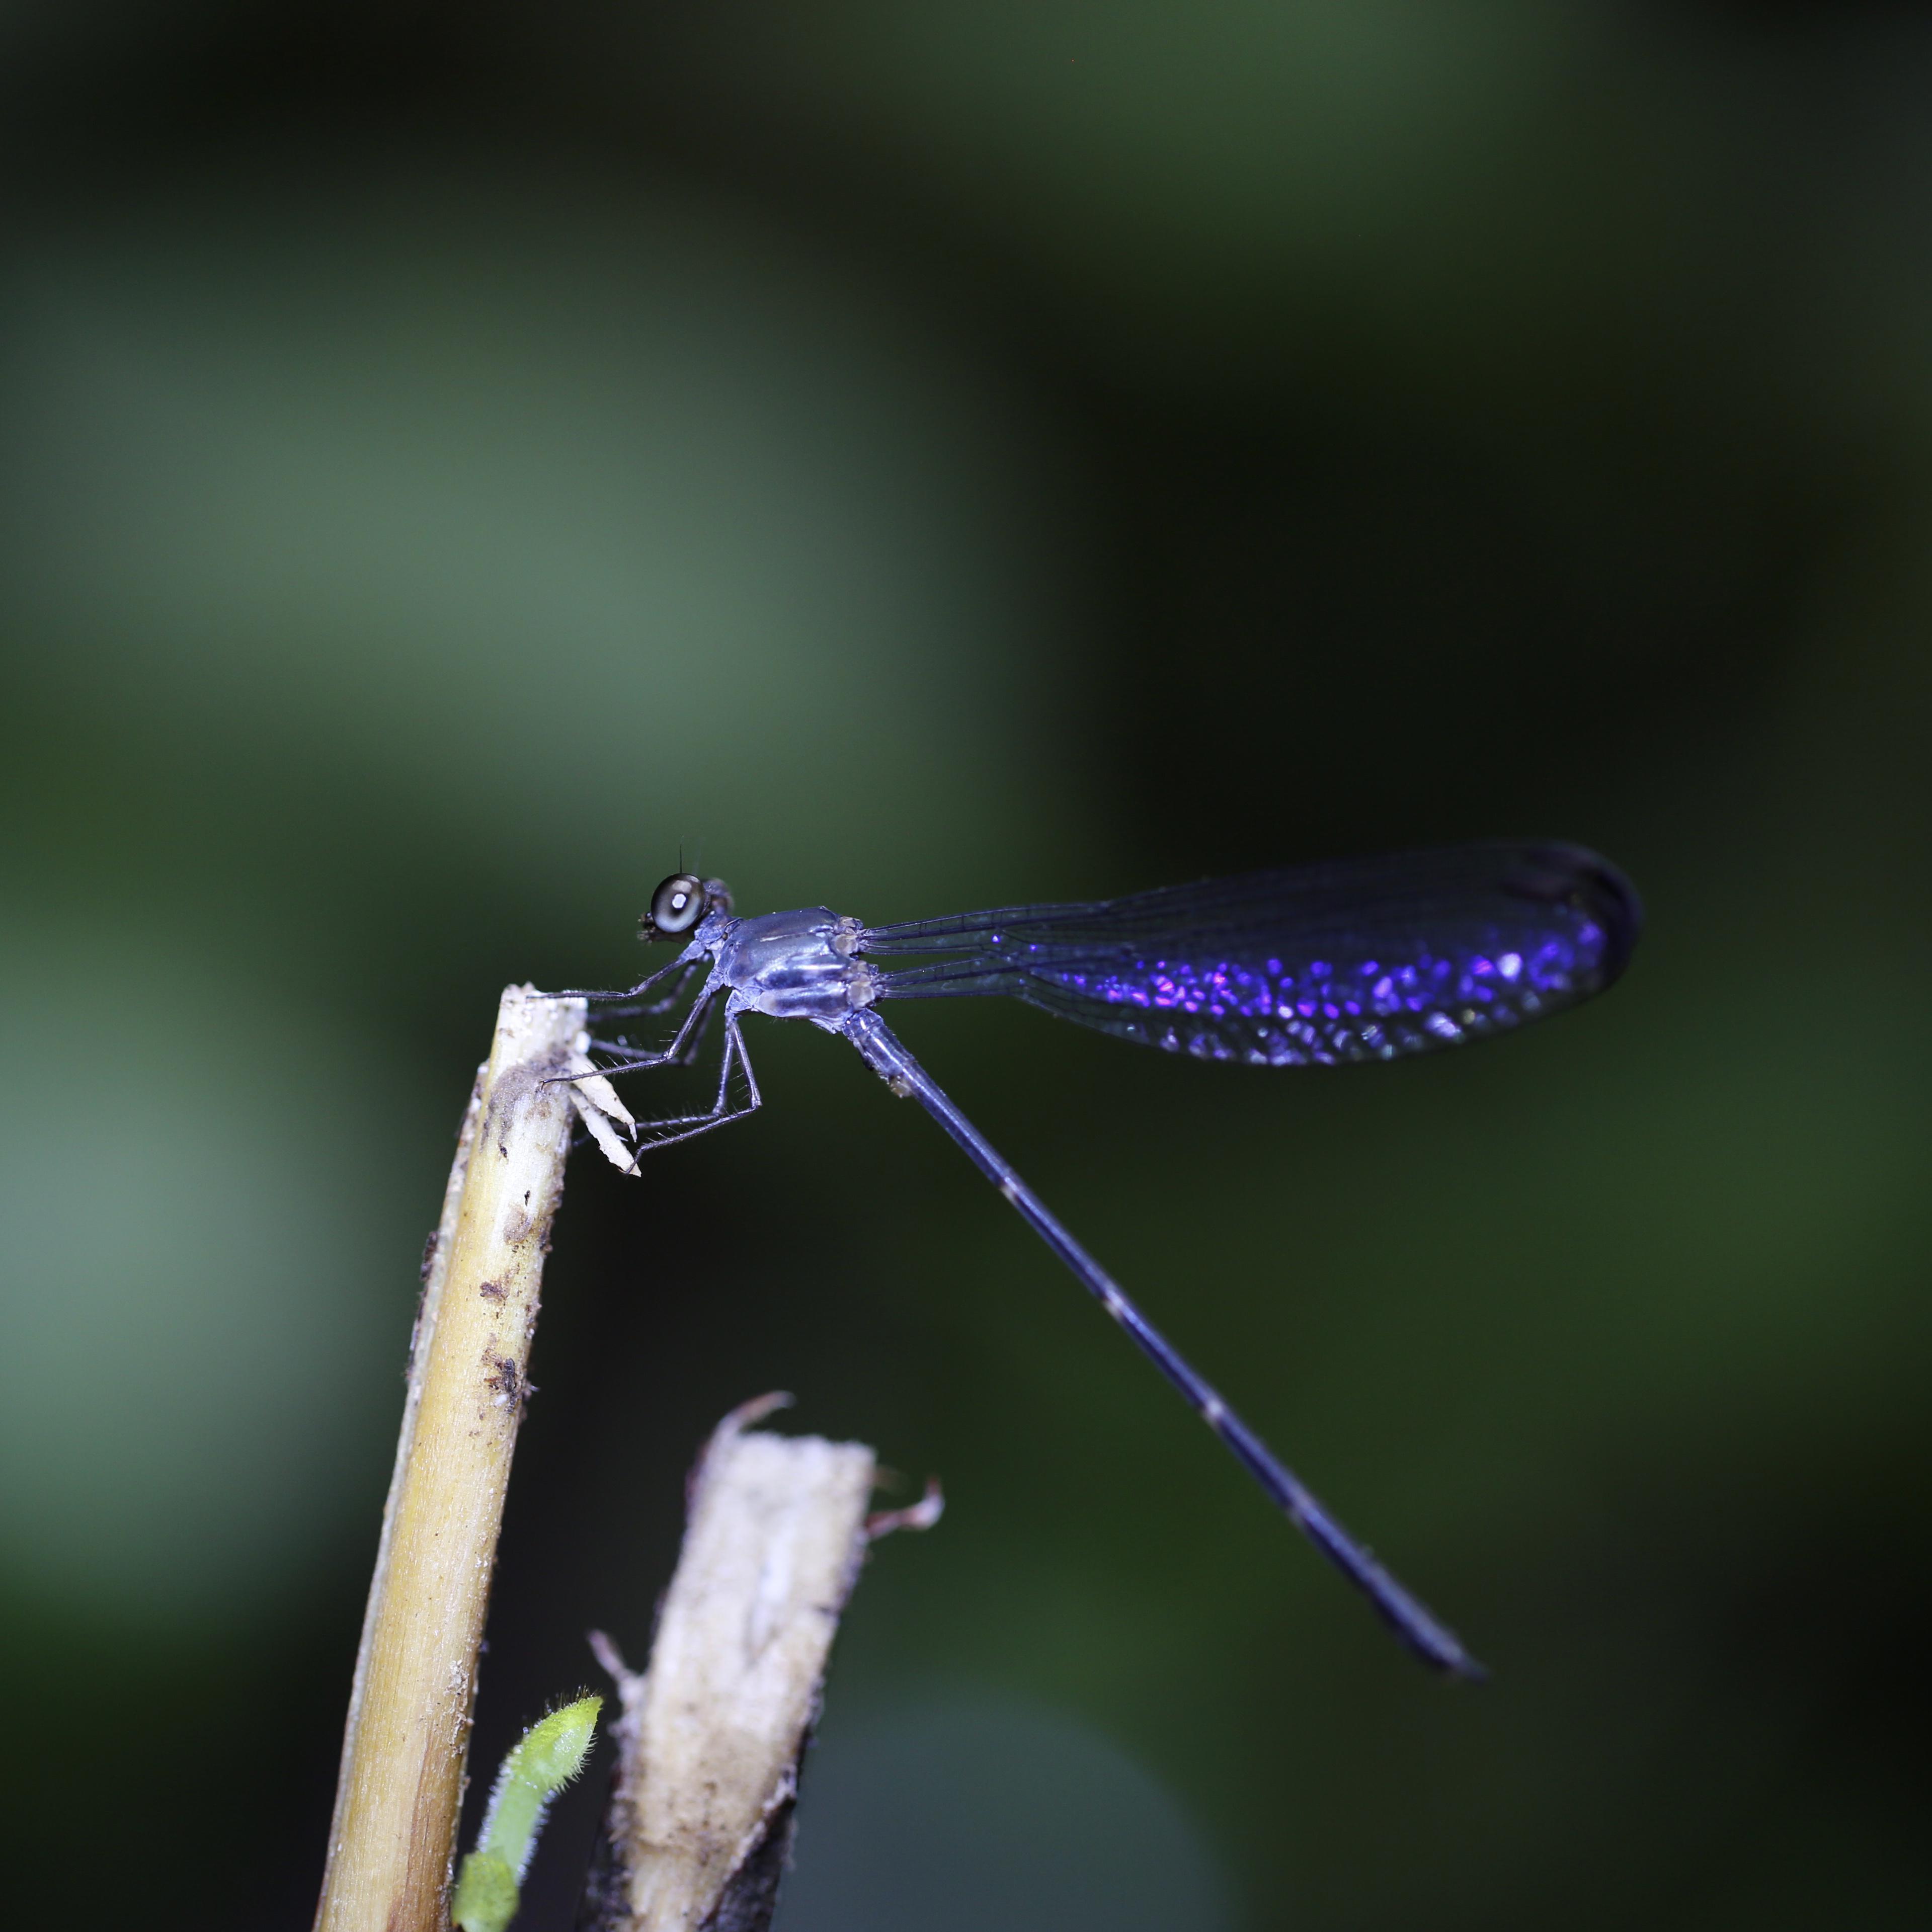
486,1894
539,1765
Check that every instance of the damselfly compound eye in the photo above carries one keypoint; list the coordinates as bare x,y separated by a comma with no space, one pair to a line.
677,905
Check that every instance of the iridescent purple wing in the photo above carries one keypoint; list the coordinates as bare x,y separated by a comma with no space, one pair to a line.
1365,959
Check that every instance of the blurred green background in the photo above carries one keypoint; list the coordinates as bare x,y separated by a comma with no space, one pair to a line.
921,456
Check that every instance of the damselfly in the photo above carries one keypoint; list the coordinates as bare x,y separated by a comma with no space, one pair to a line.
1364,960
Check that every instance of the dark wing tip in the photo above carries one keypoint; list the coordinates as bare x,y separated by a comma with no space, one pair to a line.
1587,883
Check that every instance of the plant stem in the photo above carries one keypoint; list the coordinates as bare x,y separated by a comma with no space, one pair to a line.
393,1837
711,1736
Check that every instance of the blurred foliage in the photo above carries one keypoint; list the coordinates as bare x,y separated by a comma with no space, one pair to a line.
919,456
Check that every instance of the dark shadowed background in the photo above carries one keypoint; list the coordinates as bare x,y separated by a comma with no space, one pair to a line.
925,455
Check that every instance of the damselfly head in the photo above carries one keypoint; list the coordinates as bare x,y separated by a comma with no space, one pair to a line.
680,902
677,906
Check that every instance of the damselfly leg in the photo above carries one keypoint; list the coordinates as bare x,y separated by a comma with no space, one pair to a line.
683,968
683,1050
649,1135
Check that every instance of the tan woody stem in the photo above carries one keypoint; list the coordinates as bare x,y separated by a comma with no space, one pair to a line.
394,1833
711,1736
